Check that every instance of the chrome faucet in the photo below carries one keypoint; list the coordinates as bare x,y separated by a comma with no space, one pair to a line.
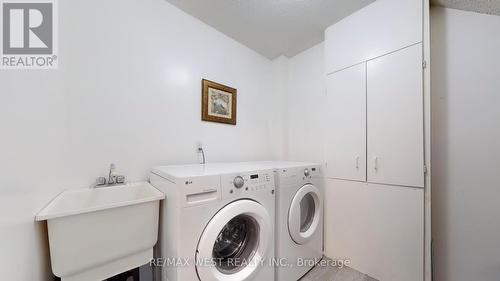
112,174
113,178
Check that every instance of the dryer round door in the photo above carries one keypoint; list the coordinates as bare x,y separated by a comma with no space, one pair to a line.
235,242
305,214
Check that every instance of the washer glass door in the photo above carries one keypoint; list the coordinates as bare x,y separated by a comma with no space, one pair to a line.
235,242
304,214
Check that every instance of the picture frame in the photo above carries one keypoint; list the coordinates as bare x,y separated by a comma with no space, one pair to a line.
219,103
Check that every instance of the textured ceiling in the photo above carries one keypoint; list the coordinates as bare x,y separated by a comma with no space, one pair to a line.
272,27
481,6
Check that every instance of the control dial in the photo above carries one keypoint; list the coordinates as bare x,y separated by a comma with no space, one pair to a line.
238,182
306,172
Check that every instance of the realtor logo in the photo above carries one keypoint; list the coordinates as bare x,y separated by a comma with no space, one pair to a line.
28,34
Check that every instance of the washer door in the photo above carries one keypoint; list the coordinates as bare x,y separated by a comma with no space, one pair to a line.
304,214
235,242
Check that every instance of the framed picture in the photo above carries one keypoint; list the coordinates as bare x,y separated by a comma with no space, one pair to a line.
218,103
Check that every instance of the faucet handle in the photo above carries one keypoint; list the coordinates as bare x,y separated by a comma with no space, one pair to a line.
120,179
100,181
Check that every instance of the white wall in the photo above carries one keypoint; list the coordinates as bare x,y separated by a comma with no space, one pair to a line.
465,152
128,91
139,94
306,88
278,100
31,167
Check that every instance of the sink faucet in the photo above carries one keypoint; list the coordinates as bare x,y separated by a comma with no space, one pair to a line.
112,174
113,178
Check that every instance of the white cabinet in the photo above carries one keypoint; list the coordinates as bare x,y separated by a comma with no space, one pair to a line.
374,204
375,120
379,228
345,137
395,147
380,28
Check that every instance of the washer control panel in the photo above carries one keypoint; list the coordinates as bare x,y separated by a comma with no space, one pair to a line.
237,185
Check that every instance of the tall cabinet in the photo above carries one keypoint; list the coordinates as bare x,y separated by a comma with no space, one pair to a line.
375,140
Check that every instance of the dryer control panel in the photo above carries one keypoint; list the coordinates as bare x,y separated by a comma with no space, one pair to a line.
237,185
294,175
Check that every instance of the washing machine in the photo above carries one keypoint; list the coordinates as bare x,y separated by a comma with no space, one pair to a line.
216,223
299,217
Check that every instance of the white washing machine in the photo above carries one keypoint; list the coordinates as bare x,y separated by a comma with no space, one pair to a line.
216,224
299,217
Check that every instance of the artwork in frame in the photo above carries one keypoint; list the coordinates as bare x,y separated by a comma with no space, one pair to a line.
218,103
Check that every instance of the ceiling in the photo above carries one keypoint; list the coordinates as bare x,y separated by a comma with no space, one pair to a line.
272,27
481,6
288,27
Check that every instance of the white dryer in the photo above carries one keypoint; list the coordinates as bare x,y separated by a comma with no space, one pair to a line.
217,223
299,217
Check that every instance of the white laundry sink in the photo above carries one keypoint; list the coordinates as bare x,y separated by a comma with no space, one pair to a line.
97,233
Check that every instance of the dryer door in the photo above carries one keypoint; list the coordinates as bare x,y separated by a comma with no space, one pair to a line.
305,214
235,242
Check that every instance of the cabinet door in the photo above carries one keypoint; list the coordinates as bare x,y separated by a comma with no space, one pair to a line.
345,147
380,228
395,147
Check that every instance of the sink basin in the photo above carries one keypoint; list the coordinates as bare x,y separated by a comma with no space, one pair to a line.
97,233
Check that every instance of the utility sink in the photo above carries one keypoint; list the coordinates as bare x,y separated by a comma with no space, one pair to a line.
97,233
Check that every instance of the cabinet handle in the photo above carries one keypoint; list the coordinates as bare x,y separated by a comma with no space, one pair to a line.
375,161
357,162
